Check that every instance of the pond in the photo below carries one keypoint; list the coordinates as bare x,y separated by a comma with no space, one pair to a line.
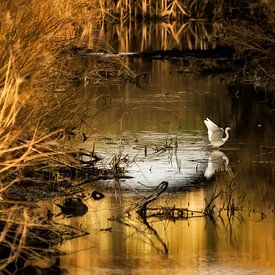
110,171
156,129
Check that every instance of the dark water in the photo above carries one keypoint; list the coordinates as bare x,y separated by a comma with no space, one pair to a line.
137,37
167,110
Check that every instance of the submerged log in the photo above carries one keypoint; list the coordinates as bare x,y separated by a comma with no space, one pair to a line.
142,207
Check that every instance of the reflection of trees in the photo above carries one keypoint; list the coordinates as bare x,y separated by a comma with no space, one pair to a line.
194,35
222,207
140,208
129,36
185,24
153,238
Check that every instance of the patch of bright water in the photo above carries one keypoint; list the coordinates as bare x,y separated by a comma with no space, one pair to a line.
167,111
151,157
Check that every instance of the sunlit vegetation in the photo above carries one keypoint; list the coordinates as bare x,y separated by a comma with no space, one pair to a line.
43,77
40,74
181,21
40,102
34,35
245,28
159,10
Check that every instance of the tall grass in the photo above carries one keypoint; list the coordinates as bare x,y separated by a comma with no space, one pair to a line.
31,41
35,62
159,9
42,79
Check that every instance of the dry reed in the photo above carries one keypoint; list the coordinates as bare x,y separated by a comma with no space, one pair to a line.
128,10
33,66
40,76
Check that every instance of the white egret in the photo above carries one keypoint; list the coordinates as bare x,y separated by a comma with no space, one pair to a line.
215,134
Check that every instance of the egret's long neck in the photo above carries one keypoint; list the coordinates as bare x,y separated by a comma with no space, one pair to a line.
226,134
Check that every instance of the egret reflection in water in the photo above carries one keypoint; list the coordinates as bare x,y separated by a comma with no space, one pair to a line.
217,162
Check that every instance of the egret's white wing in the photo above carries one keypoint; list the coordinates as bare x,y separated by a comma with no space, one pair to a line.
210,124
214,132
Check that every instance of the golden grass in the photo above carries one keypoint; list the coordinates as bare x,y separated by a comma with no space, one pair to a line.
42,81
14,245
9,99
127,10
34,64
37,67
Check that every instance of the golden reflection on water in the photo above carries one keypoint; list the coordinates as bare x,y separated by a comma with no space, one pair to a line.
194,245
137,37
166,102
175,105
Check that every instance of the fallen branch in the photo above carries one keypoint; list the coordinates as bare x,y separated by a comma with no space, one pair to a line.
142,206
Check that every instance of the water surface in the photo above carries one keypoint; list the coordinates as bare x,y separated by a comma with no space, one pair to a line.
157,128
